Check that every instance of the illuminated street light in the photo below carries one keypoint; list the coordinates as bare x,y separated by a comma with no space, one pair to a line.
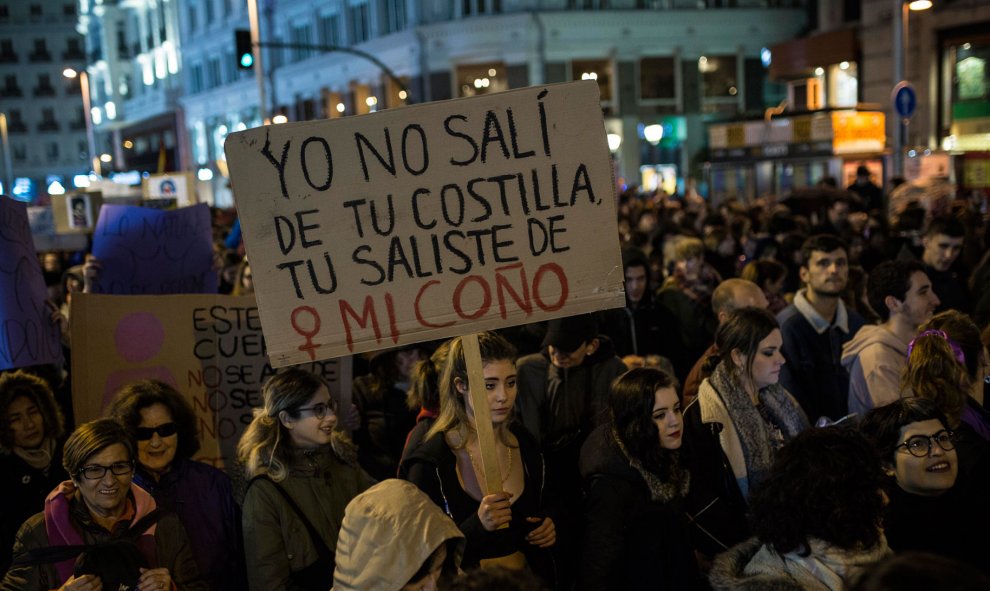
106,158
653,133
87,115
280,119
614,141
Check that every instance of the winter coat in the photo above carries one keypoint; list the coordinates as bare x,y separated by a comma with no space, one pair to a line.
639,330
752,566
276,542
560,407
715,505
635,537
24,491
432,467
814,374
67,521
385,423
875,359
202,498
389,532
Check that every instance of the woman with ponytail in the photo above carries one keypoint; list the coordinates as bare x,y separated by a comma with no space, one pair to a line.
510,528
732,431
947,364
302,472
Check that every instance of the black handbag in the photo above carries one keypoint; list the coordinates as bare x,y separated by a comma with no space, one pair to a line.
317,576
117,562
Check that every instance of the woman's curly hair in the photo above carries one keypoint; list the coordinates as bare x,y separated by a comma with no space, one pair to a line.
134,397
825,484
19,383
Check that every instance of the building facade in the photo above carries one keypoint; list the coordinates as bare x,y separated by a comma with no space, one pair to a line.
667,65
46,141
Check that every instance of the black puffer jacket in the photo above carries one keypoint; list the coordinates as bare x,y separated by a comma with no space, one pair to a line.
630,540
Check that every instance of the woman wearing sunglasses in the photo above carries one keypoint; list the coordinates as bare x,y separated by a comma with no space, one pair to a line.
163,426
929,509
303,474
101,504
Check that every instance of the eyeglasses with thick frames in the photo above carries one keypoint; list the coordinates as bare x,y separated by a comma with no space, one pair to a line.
920,446
163,430
96,472
319,410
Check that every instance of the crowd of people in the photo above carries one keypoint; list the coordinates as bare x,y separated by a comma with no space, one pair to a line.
792,397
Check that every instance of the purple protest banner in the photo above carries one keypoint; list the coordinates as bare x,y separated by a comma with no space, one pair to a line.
152,251
27,334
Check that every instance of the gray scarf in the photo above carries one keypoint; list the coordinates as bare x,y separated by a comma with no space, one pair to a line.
763,428
660,490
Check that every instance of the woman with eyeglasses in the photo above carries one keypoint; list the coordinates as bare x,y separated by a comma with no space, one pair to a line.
31,437
163,425
98,505
947,363
303,473
929,510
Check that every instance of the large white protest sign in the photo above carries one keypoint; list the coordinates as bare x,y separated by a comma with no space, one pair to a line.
430,221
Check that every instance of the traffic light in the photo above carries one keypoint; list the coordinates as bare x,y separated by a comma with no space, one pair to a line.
245,55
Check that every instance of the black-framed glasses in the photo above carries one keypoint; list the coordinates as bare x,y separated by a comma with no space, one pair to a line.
319,410
163,430
96,471
920,446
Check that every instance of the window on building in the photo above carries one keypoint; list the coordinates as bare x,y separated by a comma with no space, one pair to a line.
209,15
472,7
191,17
10,87
51,150
300,35
40,52
330,29
360,16
598,70
82,149
69,10
843,85
395,15
719,83
7,53
477,79
214,73
20,152
44,87
196,78
657,78
4,12
35,10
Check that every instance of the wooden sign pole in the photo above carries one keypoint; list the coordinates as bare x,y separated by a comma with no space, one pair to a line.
491,473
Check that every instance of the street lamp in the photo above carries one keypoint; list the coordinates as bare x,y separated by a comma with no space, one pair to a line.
902,8
87,116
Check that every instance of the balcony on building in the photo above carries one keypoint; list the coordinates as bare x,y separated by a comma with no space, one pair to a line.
11,92
48,126
43,90
40,56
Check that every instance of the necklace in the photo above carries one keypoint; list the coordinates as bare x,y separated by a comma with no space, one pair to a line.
508,470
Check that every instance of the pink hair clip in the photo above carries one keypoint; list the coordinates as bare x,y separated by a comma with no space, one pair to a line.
956,350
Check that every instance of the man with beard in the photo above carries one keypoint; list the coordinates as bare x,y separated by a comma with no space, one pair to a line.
943,242
900,292
815,327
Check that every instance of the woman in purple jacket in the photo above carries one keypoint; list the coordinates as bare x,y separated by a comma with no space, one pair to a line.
163,425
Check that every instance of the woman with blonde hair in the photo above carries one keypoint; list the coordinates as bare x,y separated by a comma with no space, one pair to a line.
303,473
446,466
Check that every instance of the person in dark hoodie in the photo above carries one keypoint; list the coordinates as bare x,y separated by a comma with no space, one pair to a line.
637,328
563,396
635,485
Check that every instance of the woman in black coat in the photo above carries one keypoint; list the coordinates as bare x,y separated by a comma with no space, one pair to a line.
31,437
636,533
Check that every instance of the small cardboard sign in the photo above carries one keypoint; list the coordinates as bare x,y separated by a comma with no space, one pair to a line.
209,347
428,222
76,213
42,221
174,185
27,334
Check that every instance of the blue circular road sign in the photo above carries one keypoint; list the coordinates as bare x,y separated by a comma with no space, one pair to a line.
904,98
